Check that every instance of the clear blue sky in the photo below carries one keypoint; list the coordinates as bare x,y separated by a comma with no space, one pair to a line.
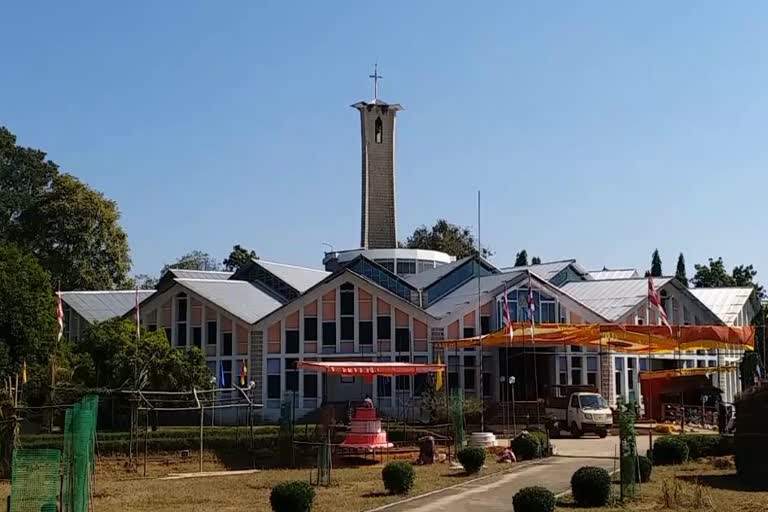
595,130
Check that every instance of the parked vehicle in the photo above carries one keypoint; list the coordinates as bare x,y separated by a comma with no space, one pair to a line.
578,410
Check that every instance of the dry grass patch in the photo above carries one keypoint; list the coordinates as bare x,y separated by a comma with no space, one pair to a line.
692,487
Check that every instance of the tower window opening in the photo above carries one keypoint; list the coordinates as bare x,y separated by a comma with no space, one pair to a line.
378,130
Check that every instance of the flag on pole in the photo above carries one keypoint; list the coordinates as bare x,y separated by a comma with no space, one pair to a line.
24,372
439,378
655,301
243,373
507,317
222,384
531,302
138,316
60,316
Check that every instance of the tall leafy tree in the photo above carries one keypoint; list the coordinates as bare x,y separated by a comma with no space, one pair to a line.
445,237
656,264
238,257
25,176
114,359
680,272
27,311
74,232
145,282
194,260
535,260
712,275
521,259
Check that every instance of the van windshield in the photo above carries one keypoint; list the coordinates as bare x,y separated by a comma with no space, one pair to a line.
593,402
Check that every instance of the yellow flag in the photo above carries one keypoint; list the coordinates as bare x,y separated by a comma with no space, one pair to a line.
439,380
24,373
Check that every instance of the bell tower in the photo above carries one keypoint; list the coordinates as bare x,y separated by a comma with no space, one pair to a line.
377,128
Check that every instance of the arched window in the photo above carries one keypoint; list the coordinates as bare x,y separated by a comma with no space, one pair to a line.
378,130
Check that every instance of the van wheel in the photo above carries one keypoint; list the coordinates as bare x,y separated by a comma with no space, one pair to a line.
602,433
575,432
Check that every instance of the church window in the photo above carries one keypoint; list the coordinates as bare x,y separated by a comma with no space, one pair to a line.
378,130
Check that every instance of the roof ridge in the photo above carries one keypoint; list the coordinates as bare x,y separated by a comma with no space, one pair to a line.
106,291
206,271
200,279
290,265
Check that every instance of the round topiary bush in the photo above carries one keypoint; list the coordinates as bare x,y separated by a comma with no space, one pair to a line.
591,486
472,458
669,450
526,446
398,477
294,496
646,467
533,499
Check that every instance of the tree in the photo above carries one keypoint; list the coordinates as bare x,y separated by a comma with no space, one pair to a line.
145,282
712,275
656,264
114,361
535,260
73,230
25,176
194,260
239,257
27,311
445,237
521,259
75,234
680,272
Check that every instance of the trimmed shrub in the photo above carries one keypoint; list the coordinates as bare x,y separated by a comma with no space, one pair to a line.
472,458
526,446
296,496
398,477
646,467
591,486
669,450
533,499
702,445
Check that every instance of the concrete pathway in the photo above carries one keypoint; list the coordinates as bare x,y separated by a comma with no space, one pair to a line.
494,494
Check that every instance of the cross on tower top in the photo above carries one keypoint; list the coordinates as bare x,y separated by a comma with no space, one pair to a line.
376,76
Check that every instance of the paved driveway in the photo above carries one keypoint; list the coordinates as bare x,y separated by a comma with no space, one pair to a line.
494,494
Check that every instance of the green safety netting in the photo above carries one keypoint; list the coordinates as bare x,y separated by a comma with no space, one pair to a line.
35,480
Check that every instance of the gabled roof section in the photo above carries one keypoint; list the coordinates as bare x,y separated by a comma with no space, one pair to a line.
726,303
613,298
619,273
551,270
428,277
283,282
379,275
98,306
467,293
300,278
469,268
183,273
240,298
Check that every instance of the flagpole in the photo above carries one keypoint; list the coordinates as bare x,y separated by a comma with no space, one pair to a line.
478,323
650,381
531,312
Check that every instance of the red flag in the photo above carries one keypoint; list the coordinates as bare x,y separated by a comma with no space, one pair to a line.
507,317
60,316
243,373
655,300
138,316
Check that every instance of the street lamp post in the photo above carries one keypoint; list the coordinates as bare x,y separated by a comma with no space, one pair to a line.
514,420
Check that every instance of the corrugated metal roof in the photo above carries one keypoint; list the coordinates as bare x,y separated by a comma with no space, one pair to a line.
97,306
427,277
182,273
623,273
240,298
548,269
467,293
300,278
612,299
726,303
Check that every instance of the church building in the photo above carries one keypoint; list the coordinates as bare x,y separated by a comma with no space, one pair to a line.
379,302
